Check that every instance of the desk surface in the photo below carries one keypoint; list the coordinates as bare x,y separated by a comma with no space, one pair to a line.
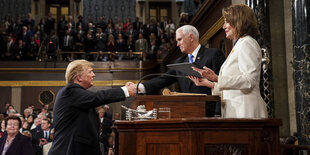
206,122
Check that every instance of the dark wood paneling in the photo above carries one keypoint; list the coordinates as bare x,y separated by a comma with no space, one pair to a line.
5,97
219,41
30,95
181,106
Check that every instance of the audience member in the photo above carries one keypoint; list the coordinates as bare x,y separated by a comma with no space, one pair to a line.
20,51
116,116
141,45
10,49
104,131
12,112
48,146
100,40
107,112
121,46
183,19
14,143
119,24
2,130
126,24
50,24
43,136
68,39
25,126
101,23
32,48
29,21
79,42
137,24
6,109
27,113
111,47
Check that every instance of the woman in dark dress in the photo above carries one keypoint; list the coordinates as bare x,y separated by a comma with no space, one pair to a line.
13,142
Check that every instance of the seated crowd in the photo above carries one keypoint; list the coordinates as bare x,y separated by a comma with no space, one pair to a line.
39,128
22,39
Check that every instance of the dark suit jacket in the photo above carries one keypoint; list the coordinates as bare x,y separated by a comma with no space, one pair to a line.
76,121
21,145
36,142
212,58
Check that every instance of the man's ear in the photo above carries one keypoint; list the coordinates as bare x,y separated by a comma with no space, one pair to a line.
78,77
191,36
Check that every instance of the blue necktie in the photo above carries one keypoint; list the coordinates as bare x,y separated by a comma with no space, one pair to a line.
191,58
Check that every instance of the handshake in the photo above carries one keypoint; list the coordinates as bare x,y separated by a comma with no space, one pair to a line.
132,88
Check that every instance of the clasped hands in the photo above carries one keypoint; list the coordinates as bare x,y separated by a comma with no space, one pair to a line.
208,77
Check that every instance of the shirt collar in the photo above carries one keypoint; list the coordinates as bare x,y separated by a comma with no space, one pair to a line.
195,53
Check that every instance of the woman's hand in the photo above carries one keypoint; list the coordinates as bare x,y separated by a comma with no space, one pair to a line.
207,73
201,81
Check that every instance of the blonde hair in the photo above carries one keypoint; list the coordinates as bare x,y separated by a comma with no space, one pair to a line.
75,68
241,17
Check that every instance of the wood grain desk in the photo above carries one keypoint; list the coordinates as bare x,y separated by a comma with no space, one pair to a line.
198,136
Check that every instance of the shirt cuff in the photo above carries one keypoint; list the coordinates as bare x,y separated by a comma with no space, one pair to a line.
141,88
215,89
125,90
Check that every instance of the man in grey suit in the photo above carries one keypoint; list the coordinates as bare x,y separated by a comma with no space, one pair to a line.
187,38
75,119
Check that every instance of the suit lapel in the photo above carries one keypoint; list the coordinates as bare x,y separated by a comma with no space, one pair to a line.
199,57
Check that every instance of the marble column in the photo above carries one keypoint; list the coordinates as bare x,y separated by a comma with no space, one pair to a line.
17,99
260,8
301,64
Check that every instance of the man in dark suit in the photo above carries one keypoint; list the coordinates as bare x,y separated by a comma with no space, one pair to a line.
187,38
136,25
105,131
76,122
43,136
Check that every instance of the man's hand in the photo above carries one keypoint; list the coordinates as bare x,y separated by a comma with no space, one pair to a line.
43,141
131,87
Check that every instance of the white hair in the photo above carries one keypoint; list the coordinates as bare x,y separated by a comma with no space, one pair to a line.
189,29
106,106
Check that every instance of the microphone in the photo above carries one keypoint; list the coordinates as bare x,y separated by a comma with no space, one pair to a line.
157,74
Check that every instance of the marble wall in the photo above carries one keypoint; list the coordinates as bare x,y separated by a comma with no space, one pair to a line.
301,64
14,8
122,9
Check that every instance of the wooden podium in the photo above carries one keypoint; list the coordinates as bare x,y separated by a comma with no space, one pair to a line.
198,136
181,106
188,132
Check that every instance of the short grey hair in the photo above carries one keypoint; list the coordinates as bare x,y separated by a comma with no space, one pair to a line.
106,106
189,29
27,110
